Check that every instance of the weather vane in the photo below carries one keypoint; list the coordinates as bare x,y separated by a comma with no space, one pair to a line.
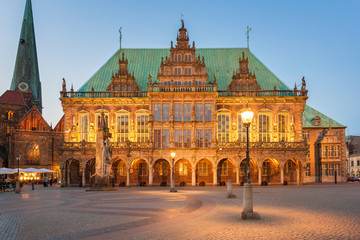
247,35
120,36
182,17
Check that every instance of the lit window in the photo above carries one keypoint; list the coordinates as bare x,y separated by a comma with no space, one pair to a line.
187,138
199,112
183,169
84,127
224,168
203,168
142,133
122,168
122,127
282,121
223,134
142,169
33,154
264,128
177,71
199,138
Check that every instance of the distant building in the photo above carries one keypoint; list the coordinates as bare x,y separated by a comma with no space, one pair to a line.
188,101
23,130
353,156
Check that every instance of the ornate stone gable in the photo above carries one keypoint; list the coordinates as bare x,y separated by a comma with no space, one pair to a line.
243,79
182,67
34,121
123,80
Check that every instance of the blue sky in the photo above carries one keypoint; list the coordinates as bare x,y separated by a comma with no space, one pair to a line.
316,39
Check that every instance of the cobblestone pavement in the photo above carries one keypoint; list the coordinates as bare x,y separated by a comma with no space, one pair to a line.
318,211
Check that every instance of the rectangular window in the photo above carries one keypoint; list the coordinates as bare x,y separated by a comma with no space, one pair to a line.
203,171
122,128
187,112
264,128
157,138
324,152
183,169
207,138
199,112
338,172
187,58
178,112
306,135
282,121
122,168
199,138
242,130
142,134
142,169
177,58
337,151
187,138
166,112
208,112
83,127
178,138
177,71
157,112
223,134
187,71
326,169
224,168
165,138
358,162
331,169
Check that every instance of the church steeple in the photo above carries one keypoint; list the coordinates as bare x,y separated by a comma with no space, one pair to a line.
26,72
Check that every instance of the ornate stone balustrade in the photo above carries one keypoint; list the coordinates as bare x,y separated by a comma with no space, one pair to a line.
263,93
264,145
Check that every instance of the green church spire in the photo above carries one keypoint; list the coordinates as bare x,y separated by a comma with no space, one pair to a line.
26,71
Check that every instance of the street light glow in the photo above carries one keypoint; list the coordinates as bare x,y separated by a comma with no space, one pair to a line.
173,154
247,117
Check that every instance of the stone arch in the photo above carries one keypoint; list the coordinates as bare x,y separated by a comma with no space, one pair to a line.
119,171
183,172
161,172
90,170
270,171
226,170
254,171
139,172
204,172
290,174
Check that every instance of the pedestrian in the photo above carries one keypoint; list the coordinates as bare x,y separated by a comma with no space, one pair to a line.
50,181
46,181
8,183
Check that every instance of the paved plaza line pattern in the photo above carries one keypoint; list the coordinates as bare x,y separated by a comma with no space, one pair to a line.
288,212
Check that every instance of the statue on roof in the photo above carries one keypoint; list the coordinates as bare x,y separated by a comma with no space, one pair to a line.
303,84
149,78
214,80
64,85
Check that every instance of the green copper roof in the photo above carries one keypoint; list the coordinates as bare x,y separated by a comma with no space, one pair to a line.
219,61
310,113
26,64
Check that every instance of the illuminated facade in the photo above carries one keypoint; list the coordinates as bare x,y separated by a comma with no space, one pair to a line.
188,101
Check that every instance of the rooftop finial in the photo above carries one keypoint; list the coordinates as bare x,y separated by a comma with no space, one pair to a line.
247,35
182,19
120,36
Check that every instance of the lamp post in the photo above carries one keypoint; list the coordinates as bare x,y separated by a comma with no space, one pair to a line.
17,188
248,213
172,189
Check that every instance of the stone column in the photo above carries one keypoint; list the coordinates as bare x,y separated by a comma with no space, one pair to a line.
68,177
259,175
193,177
128,177
62,177
297,176
215,176
150,175
237,176
282,175
83,177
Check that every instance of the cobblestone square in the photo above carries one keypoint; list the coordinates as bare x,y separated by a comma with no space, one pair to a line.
318,211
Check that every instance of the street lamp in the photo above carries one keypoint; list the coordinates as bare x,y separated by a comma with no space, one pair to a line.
248,213
17,188
172,189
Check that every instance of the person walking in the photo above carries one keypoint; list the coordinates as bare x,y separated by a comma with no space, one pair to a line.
51,181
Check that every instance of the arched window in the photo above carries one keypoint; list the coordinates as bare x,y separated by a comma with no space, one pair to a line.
33,154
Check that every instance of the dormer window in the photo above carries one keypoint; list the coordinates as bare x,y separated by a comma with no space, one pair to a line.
187,58
187,71
317,121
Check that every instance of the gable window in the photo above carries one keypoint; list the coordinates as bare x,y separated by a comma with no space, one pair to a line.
187,71
187,58
242,130
177,58
177,71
